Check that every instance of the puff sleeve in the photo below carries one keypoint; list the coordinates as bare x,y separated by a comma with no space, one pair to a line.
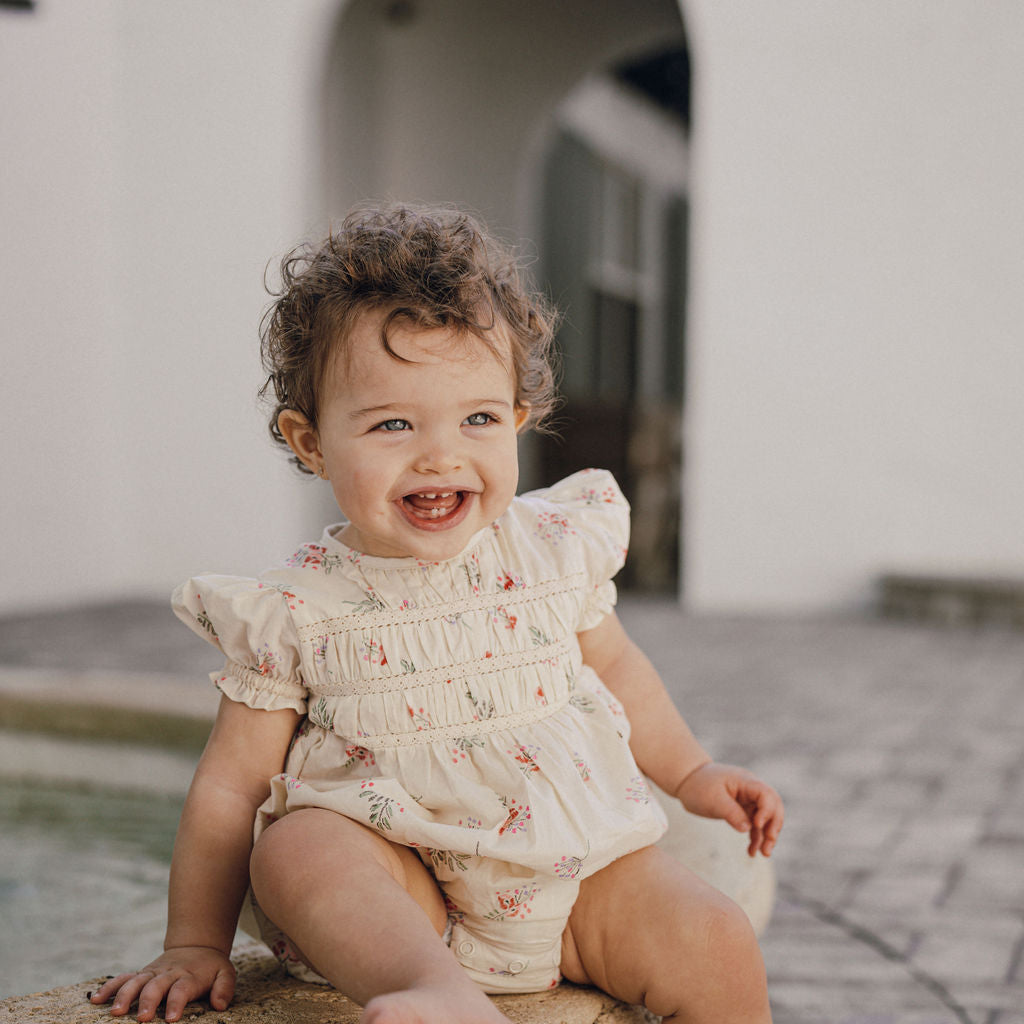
598,514
249,622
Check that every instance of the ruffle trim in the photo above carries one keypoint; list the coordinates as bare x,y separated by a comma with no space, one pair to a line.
600,603
246,685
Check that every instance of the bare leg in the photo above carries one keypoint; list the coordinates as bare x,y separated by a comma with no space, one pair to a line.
648,931
368,916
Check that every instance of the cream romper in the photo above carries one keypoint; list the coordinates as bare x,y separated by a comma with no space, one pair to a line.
447,707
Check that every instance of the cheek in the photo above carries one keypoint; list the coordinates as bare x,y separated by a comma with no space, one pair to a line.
361,484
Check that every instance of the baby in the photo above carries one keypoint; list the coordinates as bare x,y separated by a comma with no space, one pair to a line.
431,719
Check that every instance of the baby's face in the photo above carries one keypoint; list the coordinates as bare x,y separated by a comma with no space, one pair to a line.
420,454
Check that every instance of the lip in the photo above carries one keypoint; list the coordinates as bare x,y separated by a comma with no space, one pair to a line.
448,521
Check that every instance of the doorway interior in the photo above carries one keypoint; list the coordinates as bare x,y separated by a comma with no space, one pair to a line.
613,257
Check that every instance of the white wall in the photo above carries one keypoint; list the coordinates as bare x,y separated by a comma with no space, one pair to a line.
858,253
154,159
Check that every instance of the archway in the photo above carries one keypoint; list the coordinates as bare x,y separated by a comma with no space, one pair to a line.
454,100
613,251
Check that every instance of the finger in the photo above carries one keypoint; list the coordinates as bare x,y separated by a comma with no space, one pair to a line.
756,837
771,835
223,989
738,818
768,807
153,995
129,992
181,993
104,993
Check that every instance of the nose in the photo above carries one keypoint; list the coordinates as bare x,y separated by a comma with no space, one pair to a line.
438,454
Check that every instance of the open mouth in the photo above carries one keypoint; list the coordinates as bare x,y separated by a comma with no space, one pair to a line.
434,508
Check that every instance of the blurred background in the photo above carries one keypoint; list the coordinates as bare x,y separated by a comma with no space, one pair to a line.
788,239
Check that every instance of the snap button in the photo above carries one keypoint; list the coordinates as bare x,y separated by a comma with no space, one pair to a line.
516,967
465,947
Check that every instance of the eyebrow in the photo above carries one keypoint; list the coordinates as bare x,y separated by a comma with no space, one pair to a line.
395,407
373,410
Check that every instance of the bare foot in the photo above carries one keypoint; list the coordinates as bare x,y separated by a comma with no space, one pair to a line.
432,1006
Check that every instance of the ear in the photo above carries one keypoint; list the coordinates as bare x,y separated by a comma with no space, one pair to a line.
301,438
522,414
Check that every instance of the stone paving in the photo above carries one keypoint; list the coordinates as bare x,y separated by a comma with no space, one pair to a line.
899,751
897,747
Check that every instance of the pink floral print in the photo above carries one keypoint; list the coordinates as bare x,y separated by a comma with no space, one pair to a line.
554,527
637,790
373,652
571,866
518,818
514,903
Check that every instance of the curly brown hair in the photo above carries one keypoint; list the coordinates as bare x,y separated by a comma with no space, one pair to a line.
425,266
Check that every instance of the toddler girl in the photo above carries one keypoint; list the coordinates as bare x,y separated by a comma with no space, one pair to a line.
433,715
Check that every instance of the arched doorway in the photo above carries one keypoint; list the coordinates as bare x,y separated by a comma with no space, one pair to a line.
486,105
613,253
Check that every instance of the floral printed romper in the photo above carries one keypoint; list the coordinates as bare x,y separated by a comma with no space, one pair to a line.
448,708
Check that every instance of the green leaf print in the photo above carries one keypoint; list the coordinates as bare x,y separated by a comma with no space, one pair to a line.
321,715
484,708
381,808
332,562
540,638
371,603
206,622
449,859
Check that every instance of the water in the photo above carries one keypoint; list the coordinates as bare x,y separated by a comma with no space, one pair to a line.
86,832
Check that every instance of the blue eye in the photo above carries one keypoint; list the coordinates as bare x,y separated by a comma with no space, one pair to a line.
393,425
479,419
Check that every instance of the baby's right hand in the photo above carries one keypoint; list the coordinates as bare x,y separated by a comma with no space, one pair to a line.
180,975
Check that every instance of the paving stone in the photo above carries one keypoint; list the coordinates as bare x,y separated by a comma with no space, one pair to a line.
993,875
899,889
976,948
924,840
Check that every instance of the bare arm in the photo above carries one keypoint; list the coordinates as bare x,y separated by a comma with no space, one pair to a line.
210,866
662,743
666,750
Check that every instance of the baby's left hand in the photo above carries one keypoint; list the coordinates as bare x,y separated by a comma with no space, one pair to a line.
740,798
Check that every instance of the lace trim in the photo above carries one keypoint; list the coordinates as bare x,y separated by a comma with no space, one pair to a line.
378,617
257,681
488,665
451,733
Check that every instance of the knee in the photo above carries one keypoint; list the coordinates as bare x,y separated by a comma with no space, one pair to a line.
727,936
731,953
723,962
307,845
271,856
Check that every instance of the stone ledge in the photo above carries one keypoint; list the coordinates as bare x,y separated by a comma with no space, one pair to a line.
953,600
265,995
